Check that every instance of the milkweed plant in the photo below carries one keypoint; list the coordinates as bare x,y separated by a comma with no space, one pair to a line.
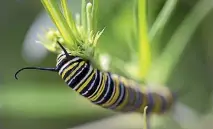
79,34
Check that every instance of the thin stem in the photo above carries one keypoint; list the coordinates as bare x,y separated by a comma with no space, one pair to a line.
83,14
144,46
57,17
95,10
145,118
162,19
69,19
89,19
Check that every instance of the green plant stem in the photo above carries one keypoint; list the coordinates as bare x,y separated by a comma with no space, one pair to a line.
145,118
162,19
69,19
144,46
163,67
59,20
83,14
95,11
89,19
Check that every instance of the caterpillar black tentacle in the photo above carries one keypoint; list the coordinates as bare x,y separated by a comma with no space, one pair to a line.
38,68
106,89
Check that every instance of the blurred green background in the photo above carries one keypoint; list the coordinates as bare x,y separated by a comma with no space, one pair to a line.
42,100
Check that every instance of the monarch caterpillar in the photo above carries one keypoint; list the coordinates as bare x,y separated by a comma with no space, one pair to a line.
106,89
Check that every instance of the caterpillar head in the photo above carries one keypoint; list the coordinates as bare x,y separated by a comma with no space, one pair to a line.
64,56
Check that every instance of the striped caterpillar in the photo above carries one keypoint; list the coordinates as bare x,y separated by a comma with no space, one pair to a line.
106,89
